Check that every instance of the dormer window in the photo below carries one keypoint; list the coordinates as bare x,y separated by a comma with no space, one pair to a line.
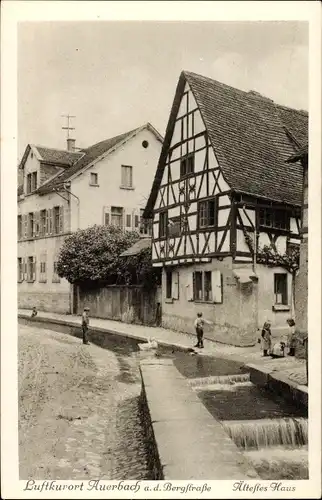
31,182
187,165
273,218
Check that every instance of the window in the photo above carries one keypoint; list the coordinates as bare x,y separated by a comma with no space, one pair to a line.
145,227
43,269
31,269
198,286
117,216
128,220
19,227
93,179
20,270
207,286
169,285
56,217
275,218
30,230
163,223
175,226
280,288
43,222
31,182
126,176
56,278
187,165
145,144
206,213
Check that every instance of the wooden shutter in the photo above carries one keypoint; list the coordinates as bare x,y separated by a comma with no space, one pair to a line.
175,285
50,221
34,269
216,286
61,219
190,287
128,221
25,226
106,216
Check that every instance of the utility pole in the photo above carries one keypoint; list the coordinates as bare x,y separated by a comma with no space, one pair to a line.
68,128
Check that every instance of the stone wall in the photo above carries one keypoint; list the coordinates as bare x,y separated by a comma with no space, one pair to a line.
186,442
58,302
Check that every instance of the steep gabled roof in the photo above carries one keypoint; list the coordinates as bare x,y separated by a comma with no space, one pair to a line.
252,138
138,247
92,154
54,156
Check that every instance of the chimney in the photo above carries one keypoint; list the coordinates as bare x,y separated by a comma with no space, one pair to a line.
71,144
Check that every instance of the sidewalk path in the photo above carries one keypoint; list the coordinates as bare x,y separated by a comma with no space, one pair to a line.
290,367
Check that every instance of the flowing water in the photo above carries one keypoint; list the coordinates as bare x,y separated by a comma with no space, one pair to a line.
272,433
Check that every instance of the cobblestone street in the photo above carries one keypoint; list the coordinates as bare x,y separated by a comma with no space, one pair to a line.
78,410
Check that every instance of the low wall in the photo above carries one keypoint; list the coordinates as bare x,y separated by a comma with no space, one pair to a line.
185,441
58,302
279,384
130,304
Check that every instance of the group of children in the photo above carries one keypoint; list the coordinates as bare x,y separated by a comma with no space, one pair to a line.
275,351
278,349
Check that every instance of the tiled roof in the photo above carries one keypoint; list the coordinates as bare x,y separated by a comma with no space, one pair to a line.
61,157
299,155
137,247
91,154
252,138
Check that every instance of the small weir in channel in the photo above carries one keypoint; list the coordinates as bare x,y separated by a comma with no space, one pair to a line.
272,433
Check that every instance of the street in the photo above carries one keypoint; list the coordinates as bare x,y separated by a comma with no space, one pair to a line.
78,410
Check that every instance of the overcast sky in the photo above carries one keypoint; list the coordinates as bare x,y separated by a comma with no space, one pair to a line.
115,76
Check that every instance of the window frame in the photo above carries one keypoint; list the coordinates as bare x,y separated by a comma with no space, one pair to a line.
95,182
20,269
168,286
128,184
187,165
119,214
284,293
19,227
268,216
206,215
163,226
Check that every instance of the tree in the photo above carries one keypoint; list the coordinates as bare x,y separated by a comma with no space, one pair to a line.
137,269
92,255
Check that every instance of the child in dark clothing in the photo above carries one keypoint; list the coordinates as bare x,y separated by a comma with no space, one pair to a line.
85,323
199,324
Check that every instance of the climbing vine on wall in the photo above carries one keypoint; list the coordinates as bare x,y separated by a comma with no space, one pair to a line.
270,257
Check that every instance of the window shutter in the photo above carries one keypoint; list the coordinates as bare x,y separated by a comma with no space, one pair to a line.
128,220
175,285
216,285
34,269
106,216
25,226
190,287
61,219
24,269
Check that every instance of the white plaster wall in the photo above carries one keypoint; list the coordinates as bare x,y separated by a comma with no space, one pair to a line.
94,199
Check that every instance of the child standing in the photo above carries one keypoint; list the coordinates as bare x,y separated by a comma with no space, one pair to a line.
199,324
266,338
291,340
85,323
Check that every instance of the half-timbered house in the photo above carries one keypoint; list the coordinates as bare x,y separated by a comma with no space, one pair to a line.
224,204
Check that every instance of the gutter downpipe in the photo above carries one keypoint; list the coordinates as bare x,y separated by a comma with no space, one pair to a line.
67,184
254,260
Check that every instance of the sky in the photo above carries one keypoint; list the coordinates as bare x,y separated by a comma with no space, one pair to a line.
116,76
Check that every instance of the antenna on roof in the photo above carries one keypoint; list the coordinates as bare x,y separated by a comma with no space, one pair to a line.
70,141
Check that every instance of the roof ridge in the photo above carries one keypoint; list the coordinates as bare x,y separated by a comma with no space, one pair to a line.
245,92
53,149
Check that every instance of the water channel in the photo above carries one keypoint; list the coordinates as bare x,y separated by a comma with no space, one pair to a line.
272,433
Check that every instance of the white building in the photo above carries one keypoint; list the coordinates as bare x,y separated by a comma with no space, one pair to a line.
62,191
